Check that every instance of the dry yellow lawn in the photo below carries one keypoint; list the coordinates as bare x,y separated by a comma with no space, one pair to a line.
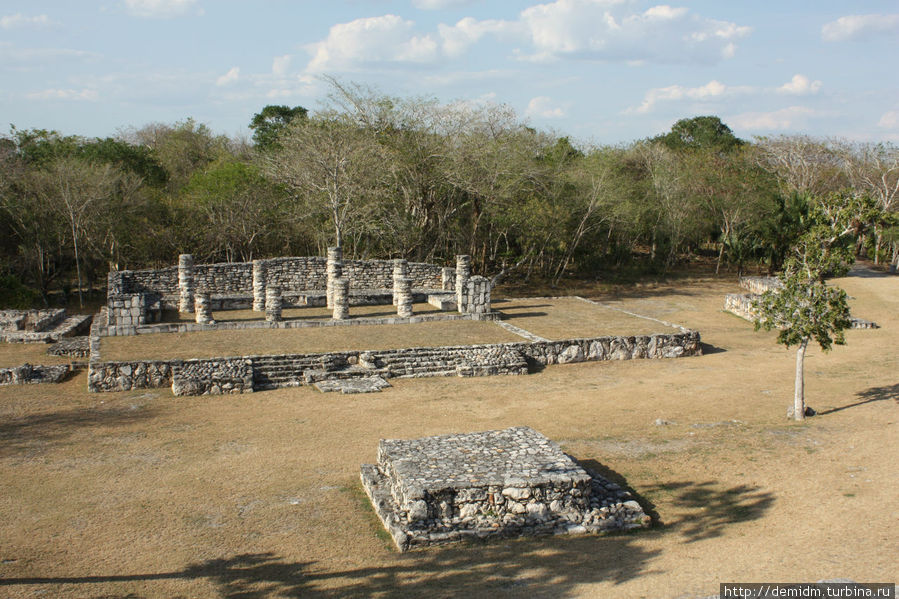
14,354
557,318
142,494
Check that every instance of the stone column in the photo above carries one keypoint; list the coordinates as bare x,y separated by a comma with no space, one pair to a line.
186,283
403,292
259,272
273,304
448,278
201,308
400,268
463,271
341,299
478,295
335,271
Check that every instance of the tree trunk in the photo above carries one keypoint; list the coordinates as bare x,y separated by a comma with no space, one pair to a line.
77,264
799,395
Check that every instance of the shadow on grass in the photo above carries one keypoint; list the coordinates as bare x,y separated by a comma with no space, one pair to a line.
507,315
705,510
40,430
870,395
708,349
550,567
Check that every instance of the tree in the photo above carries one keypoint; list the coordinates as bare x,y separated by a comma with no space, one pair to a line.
700,133
805,308
238,207
332,167
271,122
803,164
74,188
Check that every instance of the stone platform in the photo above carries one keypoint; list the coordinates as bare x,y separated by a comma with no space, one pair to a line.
501,483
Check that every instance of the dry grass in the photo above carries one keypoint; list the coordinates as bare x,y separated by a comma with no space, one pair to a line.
560,318
569,317
142,494
15,354
205,344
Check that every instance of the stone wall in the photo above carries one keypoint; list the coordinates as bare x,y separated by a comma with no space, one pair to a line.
122,376
759,285
213,377
31,321
743,305
126,310
293,274
473,360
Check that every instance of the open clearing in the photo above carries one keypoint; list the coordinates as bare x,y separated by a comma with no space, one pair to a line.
141,494
557,318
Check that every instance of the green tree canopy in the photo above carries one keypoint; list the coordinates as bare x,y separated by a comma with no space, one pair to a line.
700,133
271,122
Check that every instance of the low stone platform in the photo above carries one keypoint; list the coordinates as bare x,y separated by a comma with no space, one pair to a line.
366,384
500,483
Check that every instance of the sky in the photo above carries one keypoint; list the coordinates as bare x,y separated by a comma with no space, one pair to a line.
598,71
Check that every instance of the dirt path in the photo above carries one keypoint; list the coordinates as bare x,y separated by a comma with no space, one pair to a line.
141,494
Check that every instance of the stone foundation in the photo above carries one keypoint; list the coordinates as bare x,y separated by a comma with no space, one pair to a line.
499,483
40,326
27,374
291,370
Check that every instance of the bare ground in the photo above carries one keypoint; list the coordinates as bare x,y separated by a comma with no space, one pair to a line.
141,494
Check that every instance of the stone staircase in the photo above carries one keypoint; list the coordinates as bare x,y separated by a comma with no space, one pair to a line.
272,372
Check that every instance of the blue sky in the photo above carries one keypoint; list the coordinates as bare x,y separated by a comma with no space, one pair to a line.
600,71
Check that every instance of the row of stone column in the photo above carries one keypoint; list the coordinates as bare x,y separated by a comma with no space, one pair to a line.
459,279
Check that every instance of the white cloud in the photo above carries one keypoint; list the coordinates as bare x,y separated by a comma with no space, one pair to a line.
20,20
792,117
161,9
457,38
64,94
611,30
439,4
853,27
544,107
800,85
889,120
712,89
230,77
280,65
351,46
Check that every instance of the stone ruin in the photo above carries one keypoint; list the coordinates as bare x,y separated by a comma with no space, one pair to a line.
744,304
137,299
40,326
500,483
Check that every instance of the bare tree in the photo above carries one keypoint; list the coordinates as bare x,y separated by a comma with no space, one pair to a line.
802,163
331,165
75,188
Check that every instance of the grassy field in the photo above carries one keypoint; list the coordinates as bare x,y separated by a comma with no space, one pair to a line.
141,494
558,318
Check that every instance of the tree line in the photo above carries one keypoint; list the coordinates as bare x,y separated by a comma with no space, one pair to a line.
413,178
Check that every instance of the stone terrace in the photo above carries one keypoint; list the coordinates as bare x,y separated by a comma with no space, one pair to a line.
497,483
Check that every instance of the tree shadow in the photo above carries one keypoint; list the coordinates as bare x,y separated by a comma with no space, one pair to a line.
705,510
23,434
544,567
869,395
596,467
